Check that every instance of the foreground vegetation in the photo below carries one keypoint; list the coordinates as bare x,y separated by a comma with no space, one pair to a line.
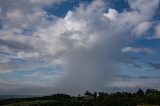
150,97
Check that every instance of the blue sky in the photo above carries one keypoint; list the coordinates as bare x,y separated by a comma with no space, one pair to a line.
72,46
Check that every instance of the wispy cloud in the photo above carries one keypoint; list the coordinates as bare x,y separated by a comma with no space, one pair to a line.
137,77
137,50
156,66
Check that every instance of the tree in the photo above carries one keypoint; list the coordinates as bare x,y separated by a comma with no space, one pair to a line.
95,94
140,92
151,91
87,93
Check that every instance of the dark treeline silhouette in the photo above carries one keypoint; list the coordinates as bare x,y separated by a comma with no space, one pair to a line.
150,97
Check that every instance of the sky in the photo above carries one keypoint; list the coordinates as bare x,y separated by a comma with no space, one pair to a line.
71,46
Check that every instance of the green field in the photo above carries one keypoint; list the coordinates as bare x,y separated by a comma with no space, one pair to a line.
29,103
43,102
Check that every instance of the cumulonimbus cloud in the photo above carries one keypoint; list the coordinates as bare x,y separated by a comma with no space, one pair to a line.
86,43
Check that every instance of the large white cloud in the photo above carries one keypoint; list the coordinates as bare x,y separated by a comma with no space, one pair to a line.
86,43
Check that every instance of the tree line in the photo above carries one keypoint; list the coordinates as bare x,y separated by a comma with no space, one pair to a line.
150,96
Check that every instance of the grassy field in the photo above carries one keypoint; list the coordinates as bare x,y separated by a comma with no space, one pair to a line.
28,103
40,102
